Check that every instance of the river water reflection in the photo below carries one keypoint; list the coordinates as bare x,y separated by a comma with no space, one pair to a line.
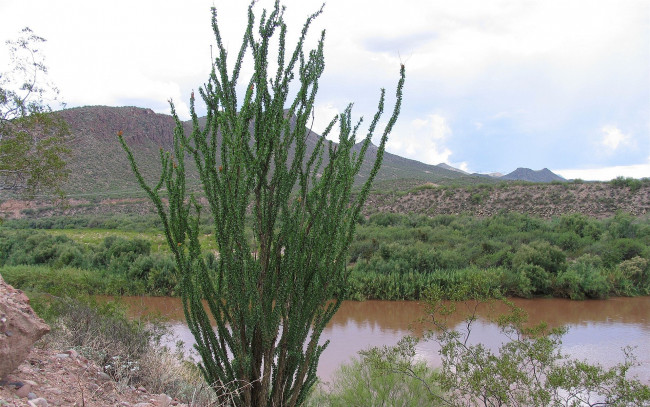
598,329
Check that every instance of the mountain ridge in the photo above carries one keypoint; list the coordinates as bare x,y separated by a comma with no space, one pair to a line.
99,165
526,174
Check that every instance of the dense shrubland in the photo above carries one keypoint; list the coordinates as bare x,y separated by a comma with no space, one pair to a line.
116,265
398,256
392,257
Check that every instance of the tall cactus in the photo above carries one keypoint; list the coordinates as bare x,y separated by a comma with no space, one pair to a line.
270,297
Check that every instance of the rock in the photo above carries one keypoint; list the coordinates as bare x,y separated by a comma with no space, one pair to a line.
39,402
20,327
163,400
24,391
31,396
143,405
103,376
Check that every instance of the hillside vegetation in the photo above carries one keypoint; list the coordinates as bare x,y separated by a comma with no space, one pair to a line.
392,257
412,196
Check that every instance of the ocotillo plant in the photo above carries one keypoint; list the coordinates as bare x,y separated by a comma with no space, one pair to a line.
270,297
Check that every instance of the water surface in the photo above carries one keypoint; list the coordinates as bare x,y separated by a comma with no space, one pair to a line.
597,329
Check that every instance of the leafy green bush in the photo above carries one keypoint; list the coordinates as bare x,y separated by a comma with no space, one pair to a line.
636,271
632,183
116,266
359,383
409,244
539,253
60,282
615,251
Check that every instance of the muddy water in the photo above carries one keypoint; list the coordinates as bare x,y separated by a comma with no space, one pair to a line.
598,330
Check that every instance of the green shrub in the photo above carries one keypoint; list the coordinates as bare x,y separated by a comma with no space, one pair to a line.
632,183
516,284
584,278
637,271
615,251
60,282
540,253
359,383
540,279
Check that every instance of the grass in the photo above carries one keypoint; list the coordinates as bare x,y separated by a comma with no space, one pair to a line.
157,238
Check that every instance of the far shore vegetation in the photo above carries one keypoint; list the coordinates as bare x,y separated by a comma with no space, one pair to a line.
393,256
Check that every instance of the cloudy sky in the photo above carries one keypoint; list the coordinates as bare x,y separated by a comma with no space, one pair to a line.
492,85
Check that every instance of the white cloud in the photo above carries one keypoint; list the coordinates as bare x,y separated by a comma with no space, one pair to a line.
538,67
323,115
462,166
423,139
607,173
613,138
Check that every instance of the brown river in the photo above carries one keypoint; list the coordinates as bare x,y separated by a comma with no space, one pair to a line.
597,329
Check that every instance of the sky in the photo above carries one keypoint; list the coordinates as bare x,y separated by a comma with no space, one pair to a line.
492,85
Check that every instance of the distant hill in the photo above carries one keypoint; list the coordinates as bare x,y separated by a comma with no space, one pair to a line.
526,174
99,165
450,168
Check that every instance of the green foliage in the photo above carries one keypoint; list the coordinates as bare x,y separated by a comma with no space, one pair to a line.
114,266
542,254
32,140
635,274
396,261
270,296
130,223
533,257
359,383
618,250
632,183
59,282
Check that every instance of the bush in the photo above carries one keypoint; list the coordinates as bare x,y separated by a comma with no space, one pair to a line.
359,383
517,284
637,272
60,282
128,350
615,251
584,278
540,253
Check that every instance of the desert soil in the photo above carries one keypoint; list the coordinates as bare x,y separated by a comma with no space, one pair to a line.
51,377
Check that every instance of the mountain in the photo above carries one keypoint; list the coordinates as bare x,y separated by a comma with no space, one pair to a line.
450,168
99,165
526,174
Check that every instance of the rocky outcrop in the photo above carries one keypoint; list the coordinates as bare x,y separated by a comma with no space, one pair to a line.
51,377
20,327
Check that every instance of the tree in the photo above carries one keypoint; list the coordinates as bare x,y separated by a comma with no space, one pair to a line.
271,296
527,370
33,141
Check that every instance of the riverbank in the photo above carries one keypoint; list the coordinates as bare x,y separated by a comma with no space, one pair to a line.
393,256
60,377
96,355
72,376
